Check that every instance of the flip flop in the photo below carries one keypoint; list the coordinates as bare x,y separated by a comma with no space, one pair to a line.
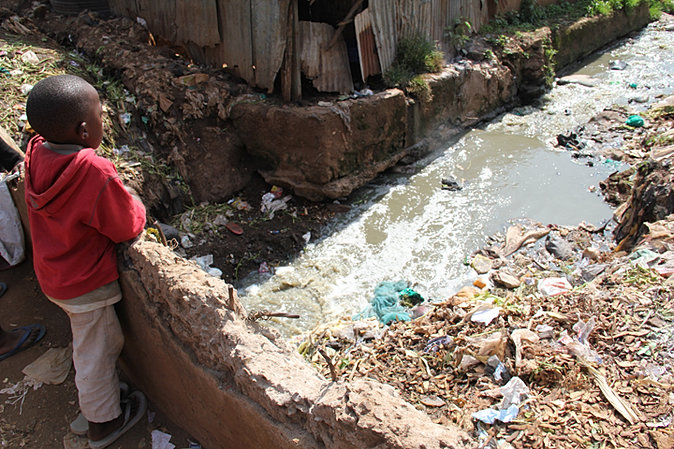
37,331
136,398
3,288
80,426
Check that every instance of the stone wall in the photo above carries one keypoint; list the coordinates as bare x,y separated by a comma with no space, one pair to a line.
232,383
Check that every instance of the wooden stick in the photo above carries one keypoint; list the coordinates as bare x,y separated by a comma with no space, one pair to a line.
333,371
161,233
343,23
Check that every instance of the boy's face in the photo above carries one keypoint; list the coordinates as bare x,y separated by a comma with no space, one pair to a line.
93,120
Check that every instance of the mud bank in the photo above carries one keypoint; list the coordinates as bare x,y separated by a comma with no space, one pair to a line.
232,382
328,150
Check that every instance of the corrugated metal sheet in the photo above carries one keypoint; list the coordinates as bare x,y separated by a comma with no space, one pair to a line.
160,17
474,10
413,17
439,19
367,49
250,36
125,8
269,31
236,46
328,69
197,21
383,19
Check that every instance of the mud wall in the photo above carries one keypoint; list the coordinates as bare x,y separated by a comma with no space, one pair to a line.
232,383
583,37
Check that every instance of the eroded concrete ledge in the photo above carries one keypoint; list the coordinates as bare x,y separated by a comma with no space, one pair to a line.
232,383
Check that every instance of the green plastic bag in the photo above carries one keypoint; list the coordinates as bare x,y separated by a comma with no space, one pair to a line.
635,121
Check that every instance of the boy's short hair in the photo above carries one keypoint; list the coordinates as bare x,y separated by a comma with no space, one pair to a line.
56,105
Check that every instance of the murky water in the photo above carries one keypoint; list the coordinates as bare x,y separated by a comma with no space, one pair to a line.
408,228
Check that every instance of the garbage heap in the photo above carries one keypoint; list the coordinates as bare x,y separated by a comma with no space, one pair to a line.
564,340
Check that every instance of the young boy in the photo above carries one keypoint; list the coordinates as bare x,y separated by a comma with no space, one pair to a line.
78,210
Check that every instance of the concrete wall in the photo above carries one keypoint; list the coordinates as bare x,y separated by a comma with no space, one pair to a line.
232,383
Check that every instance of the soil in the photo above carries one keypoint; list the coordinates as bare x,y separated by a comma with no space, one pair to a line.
266,241
163,190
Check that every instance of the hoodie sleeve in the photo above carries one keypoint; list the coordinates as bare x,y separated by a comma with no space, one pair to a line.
116,213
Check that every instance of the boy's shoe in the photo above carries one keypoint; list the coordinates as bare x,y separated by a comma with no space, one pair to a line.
134,409
81,426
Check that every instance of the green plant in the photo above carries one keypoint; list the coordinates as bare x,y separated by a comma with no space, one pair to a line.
414,55
397,76
657,7
418,54
418,87
459,33
550,52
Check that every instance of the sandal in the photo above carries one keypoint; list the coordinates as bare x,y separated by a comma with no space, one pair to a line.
80,426
134,408
32,334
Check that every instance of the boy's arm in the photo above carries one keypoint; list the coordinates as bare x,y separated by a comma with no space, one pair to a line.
118,214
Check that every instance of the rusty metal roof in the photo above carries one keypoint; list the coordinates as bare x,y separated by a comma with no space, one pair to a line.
367,48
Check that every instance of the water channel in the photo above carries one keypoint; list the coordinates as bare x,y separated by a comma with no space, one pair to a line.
408,228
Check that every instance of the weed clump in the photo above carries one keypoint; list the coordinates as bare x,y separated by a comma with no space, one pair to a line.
415,55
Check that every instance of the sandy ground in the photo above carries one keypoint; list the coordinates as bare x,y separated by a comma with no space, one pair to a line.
41,418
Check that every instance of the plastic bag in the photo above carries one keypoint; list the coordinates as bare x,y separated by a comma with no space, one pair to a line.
12,247
635,121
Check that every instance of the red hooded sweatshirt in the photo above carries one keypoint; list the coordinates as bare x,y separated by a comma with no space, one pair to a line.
78,210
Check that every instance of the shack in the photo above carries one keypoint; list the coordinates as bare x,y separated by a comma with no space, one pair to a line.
287,46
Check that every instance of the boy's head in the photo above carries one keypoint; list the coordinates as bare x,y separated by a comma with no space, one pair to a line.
66,109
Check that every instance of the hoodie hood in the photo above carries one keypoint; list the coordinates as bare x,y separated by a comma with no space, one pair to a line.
52,177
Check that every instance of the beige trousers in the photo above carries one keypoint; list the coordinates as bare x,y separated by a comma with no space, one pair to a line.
97,343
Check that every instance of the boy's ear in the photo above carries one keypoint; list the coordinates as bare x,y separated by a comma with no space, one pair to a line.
82,130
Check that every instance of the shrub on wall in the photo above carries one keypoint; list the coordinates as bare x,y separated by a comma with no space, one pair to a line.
414,55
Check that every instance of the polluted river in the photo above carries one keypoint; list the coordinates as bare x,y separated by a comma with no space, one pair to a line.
408,228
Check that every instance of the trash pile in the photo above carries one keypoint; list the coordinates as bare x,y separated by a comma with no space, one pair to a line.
566,337
580,351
